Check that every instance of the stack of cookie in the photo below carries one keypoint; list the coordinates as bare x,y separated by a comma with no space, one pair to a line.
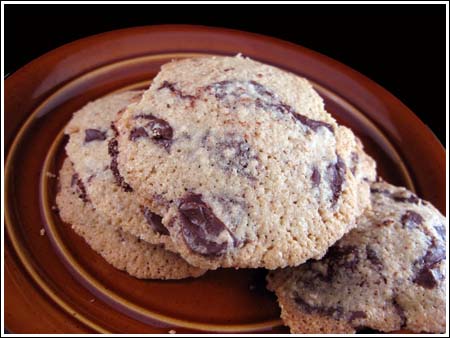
227,162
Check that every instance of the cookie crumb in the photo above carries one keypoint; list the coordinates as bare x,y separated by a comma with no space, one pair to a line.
172,331
42,232
50,175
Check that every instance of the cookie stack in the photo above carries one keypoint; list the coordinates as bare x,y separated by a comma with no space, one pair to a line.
228,162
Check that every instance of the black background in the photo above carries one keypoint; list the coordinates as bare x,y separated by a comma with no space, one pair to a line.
401,47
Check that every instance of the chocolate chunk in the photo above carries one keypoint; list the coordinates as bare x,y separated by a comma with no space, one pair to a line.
136,133
221,89
79,187
172,87
245,92
312,124
315,177
410,199
336,177
94,135
200,226
373,257
428,274
440,229
233,154
427,278
114,129
380,191
435,254
334,312
113,151
261,90
400,312
342,256
411,219
157,129
162,132
397,196
357,315
154,220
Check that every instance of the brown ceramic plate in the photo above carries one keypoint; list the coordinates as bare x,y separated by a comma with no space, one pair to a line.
56,283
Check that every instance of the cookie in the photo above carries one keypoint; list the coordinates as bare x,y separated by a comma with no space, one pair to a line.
120,249
387,274
242,161
92,148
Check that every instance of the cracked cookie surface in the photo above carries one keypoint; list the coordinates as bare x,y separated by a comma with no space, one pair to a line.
243,162
120,249
387,274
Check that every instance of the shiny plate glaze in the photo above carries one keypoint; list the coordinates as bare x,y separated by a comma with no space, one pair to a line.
55,283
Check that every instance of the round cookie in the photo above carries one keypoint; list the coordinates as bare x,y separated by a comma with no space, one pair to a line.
92,148
243,161
387,274
120,249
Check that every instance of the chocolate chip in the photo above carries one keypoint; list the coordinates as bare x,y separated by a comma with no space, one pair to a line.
435,254
137,133
315,177
261,90
162,132
157,129
94,135
334,312
235,92
172,87
380,191
312,124
428,274
154,220
400,311
400,196
232,154
114,129
79,187
200,227
221,89
410,219
113,151
372,256
409,199
427,278
336,177
343,256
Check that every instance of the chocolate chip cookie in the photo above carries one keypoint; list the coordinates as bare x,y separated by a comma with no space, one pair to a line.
387,274
243,162
119,248
92,148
